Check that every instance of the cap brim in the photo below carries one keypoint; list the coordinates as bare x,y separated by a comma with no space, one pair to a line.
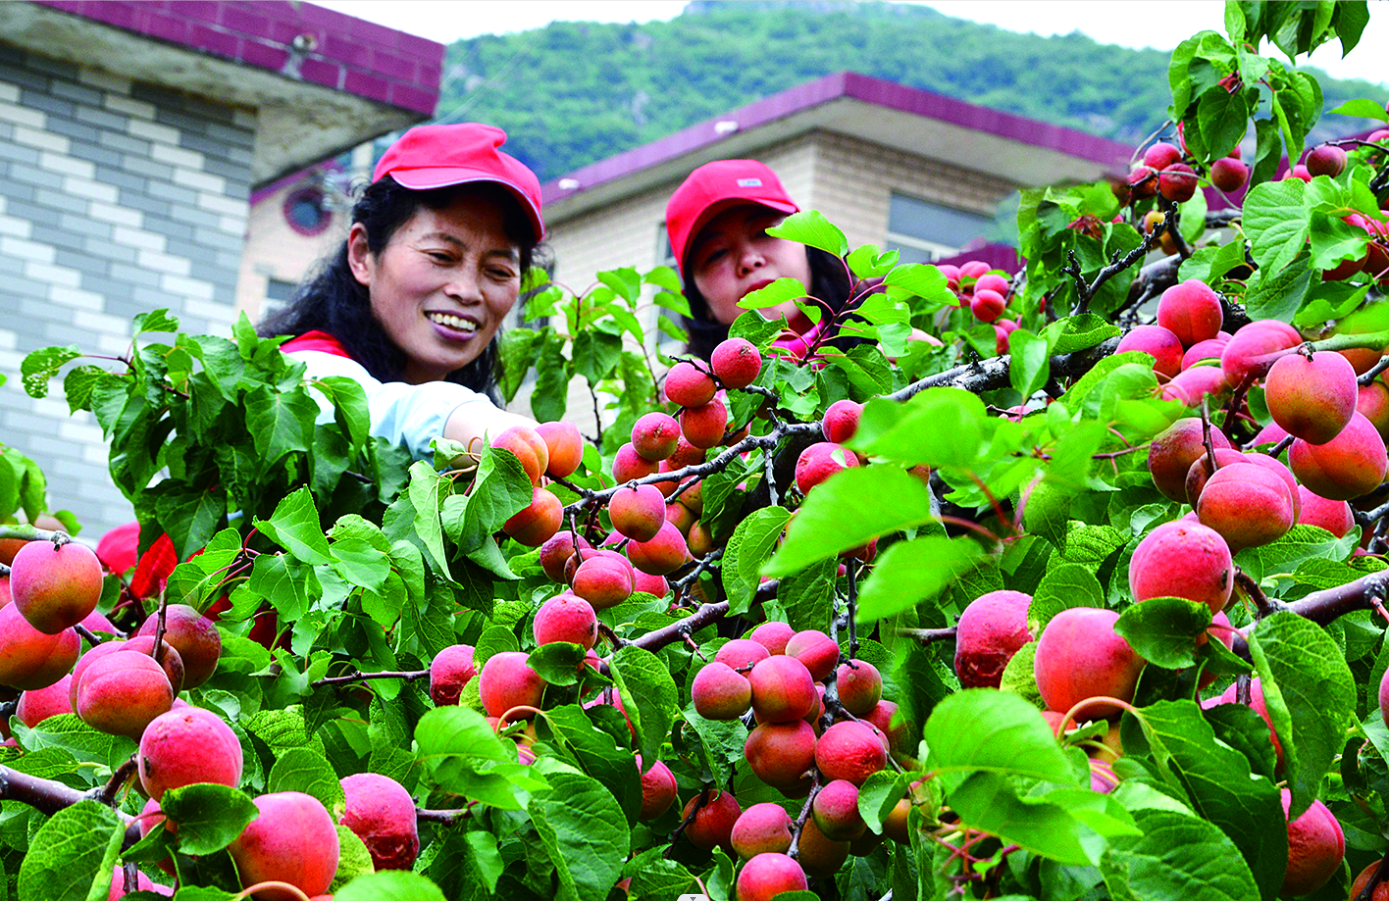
430,179
718,206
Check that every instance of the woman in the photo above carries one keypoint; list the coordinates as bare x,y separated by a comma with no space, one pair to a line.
410,305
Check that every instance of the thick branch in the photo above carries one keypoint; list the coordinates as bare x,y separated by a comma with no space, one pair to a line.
926,636
359,676
1323,607
44,795
986,375
659,638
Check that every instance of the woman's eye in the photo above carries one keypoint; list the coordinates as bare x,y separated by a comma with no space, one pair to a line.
439,256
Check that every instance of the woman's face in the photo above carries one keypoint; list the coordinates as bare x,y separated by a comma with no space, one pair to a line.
442,284
733,255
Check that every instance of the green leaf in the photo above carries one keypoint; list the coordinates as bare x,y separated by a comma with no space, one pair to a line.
583,832
937,427
353,859
154,321
810,227
279,423
1081,332
1310,695
1163,631
389,885
1065,585
1362,109
426,490
461,753
41,365
596,354
295,526
209,817
1275,221
748,548
1030,362
625,283
649,695
979,729
307,771
65,856
909,572
778,292
597,753
557,662
1177,856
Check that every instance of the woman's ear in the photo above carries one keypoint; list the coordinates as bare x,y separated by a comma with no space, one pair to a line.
359,258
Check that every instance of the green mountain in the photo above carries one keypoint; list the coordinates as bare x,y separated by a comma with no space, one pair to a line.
573,93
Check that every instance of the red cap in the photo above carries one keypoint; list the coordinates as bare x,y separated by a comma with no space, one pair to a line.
714,187
440,156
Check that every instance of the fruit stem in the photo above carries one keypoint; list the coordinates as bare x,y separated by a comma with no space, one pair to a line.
1087,702
502,720
262,886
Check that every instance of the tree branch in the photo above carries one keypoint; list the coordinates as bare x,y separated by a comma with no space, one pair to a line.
986,375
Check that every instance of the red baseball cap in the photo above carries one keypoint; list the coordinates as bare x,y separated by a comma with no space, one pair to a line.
714,187
440,156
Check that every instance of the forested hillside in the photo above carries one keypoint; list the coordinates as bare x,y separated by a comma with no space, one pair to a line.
573,93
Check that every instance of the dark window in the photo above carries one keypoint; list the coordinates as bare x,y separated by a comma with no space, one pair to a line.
307,212
922,231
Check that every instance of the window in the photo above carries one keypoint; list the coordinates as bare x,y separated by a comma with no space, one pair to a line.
307,212
922,231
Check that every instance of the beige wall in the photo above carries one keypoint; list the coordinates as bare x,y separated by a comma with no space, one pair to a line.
274,250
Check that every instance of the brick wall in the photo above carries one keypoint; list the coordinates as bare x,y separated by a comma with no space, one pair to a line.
115,198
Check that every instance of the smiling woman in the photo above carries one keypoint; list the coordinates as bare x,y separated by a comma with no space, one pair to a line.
410,304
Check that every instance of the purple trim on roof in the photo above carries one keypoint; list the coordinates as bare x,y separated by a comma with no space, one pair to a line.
854,86
265,190
351,55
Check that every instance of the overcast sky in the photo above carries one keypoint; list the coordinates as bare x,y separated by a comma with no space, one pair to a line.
1131,23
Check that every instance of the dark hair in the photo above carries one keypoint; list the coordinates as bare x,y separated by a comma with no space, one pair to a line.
829,281
332,300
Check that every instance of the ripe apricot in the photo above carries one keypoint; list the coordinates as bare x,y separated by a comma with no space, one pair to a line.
1381,892
704,425
819,461
1080,656
720,693
1229,174
566,617
449,671
817,854
30,659
1209,349
1349,465
1183,560
851,751
768,875
194,636
1312,399
120,694
381,813
658,790
761,829
742,653
653,585
836,811
987,305
782,689
55,587
555,553
860,686
1174,450
781,755
1177,182
565,447
773,636
1157,342
293,840
662,555
169,659
603,582
638,512
41,703
1248,506
538,522
655,435
816,650
507,681
186,746
529,448
1327,159
1260,337
1190,385
991,630
1334,516
884,717
686,454
629,465
1372,401
688,385
841,421
736,362
1316,847
712,825
1161,155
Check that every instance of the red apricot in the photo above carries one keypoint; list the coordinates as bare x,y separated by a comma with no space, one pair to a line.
31,659
768,875
629,465
1177,182
1174,450
712,825
773,636
654,436
662,555
819,461
836,811
638,512
1381,892
1327,159
816,650
555,553
1314,398
704,425
538,522
736,362
654,585
1183,560
120,694
507,681
1190,385
1229,174
860,686
1248,507
1191,311
1209,349
817,854
55,587
686,454
742,653
991,630
782,689
566,617
194,636
851,751
1080,656
169,659
1161,155
841,421
39,704
603,582
781,755
1316,847
1157,342
529,448
658,790
381,813
1258,338
449,671
1372,402
1334,516
899,733
720,693
992,281
186,746
293,840
762,828
987,305
1349,465
564,445
688,385
1142,182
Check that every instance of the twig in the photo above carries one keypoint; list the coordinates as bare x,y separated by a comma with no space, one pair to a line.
358,676
1368,376
926,636
444,817
1263,605
794,851
989,374
107,793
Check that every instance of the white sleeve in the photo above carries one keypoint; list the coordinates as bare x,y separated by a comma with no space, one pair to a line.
404,414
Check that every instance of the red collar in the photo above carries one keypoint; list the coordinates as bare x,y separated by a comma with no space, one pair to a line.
316,340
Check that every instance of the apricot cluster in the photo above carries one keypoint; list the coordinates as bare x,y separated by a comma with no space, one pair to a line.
984,292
